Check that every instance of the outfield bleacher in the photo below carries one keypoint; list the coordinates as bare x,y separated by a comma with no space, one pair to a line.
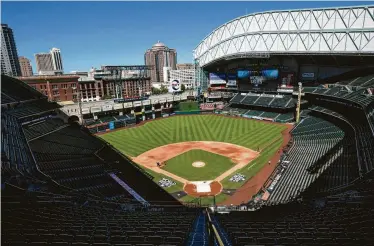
237,98
264,100
364,81
313,138
357,95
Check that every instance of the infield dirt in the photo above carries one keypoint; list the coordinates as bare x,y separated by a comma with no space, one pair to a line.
239,155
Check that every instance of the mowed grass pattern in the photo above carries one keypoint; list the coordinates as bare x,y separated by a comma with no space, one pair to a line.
215,164
248,133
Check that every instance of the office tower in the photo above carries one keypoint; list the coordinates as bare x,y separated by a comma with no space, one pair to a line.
9,57
160,56
49,63
44,63
26,69
56,60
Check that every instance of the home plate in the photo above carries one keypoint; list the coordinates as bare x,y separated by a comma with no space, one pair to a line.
202,186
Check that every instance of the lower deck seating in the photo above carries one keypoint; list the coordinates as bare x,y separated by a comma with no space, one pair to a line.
253,113
288,117
105,119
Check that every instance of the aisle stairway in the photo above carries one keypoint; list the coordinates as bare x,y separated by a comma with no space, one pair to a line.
199,234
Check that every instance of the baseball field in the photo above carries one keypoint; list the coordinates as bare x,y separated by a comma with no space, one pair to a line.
196,151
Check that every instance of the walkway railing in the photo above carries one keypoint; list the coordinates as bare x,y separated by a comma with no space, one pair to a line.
213,232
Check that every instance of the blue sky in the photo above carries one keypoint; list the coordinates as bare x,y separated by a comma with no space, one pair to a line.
98,33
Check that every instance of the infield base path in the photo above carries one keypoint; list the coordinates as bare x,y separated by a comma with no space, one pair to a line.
239,155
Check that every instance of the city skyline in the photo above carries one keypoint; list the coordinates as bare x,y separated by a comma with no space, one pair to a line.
122,39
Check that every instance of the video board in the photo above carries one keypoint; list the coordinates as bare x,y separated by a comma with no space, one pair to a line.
269,74
217,78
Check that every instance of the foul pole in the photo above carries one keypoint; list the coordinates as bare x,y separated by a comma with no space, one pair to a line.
298,102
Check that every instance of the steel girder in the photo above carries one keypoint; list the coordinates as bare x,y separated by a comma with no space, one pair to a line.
345,30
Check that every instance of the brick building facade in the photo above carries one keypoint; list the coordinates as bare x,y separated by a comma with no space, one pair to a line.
70,88
57,88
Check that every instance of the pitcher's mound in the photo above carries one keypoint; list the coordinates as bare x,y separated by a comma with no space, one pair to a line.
198,164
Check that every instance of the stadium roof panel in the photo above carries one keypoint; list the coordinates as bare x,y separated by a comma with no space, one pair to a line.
344,30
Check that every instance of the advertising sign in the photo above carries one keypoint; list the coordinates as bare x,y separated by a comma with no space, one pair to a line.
146,102
85,110
127,105
270,73
137,103
174,86
231,80
95,109
217,78
107,107
243,74
111,125
118,106
307,75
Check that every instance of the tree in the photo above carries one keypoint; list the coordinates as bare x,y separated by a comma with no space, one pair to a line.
183,87
105,97
156,91
163,89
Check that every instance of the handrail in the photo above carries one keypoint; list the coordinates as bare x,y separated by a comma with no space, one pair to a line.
216,234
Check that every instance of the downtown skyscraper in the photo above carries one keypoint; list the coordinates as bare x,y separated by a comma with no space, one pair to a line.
26,68
160,56
9,56
49,63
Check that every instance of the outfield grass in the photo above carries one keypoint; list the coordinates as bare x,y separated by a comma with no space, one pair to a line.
215,164
247,133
